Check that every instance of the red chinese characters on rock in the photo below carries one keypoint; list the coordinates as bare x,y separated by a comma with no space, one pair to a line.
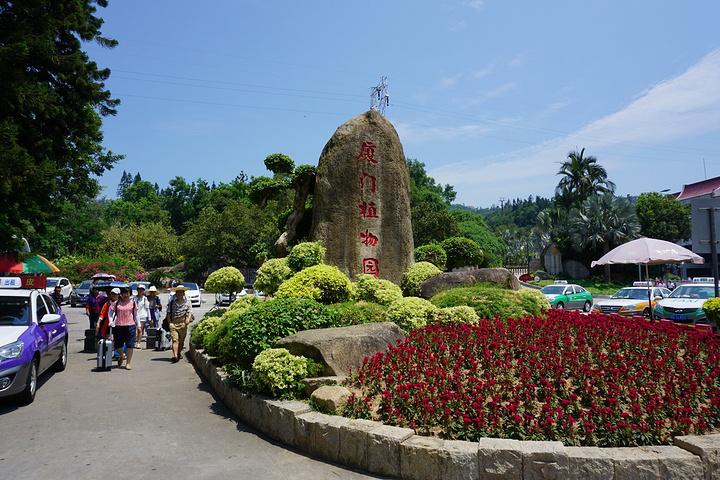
368,210
367,180
368,239
367,152
371,266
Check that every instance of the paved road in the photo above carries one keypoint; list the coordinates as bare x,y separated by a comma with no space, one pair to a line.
156,421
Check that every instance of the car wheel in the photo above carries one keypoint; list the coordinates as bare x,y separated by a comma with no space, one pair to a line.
587,306
560,306
28,395
646,313
62,361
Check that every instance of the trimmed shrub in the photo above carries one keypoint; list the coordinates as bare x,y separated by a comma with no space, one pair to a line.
375,290
225,280
410,312
304,255
322,283
260,326
712,310
461,314
462,252
358,313
279,373
416,275
432,253
271,275
202,329
214,338
243,303
491,301
533,301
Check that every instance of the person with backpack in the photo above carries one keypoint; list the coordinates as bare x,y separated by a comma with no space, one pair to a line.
179,315
124,322
142,307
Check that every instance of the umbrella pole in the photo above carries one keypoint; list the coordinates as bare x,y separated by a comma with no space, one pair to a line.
647,278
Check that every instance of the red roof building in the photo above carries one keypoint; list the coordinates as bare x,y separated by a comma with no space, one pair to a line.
698,189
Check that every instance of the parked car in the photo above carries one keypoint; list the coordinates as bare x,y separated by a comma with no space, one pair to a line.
79,295
66,287
564,296
684,304
193,294
227,298
33,339
631,301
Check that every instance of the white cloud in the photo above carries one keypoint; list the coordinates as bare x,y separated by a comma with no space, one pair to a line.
409,132
682,107
450,81
474,4
483,72
517,61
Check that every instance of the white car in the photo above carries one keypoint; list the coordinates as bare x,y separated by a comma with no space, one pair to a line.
66,287
684,305
193,293
631,301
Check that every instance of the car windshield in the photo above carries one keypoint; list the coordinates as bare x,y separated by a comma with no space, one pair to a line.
190,285
51,282
85,284
693,291
15,312
553,289
631,294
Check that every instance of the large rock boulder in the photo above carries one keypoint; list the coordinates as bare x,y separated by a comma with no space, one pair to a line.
342,349
361,210
438,283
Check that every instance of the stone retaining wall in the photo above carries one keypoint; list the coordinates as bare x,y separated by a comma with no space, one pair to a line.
398,452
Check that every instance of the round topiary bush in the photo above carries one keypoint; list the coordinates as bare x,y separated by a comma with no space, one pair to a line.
462,252
322,283
279,163
304,255
225,280
375,290
432,253
260,326
416,275
243,303
271,275
533,301
410,312
358,313
279,373
461,314
492,301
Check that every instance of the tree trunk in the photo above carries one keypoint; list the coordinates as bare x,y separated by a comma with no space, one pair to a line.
301,193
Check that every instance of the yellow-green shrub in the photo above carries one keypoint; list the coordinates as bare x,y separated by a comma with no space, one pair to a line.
279,373
410,312
461,314
371,289
271,275
416,275
322,283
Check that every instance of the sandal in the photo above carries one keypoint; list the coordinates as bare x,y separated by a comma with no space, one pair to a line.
174,360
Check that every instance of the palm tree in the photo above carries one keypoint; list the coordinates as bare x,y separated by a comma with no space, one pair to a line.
581,177
603,222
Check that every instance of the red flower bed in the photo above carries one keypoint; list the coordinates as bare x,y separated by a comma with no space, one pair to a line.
581,379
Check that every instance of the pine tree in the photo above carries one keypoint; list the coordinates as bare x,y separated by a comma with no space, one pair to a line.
137,179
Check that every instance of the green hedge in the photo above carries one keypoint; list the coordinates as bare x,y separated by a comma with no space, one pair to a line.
371,289
462,252
450,315
410,312
358,313
491,301
432,253
416,275
322,283
712,310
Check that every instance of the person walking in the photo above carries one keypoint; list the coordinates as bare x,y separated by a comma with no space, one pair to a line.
93,306
142,309
155,306
124,323
179,315
102,327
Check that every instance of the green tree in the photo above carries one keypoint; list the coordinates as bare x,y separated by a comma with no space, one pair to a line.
74,229
184,201
663,217
581,177
151,244
430,206
138,204
602,222
472,225
51,107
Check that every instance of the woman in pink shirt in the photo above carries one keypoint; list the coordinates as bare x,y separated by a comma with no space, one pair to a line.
124,322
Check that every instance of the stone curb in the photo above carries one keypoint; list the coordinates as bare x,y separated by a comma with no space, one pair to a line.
398,452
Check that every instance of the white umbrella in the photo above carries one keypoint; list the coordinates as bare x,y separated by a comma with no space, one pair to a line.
648,251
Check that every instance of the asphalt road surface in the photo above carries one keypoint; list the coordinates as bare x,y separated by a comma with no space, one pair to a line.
156,421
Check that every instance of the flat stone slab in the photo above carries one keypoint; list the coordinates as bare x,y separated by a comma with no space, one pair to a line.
707,447
500,459
342,350
330,398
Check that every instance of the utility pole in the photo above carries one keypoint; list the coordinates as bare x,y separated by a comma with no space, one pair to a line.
713,248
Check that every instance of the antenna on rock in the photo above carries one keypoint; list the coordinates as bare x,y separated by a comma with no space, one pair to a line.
380,96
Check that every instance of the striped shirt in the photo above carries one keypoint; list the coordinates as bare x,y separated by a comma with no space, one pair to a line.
179,311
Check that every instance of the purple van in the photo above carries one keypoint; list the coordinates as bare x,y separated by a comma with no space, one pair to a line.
33,339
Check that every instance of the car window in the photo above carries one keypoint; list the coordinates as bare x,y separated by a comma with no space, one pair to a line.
15,312
40,308
85,284
693,291
51,282
190,285
579,289
64,282
50,303
552,290
568,291
665,292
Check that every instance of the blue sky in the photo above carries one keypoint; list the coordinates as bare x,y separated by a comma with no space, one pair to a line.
490,95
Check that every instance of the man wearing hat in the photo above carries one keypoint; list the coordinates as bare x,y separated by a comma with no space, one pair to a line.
142,309
179,315
155,305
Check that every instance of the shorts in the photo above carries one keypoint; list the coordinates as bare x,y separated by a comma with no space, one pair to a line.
124,335
178,332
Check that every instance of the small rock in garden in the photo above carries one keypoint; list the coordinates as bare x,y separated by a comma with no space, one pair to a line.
312,384
330,399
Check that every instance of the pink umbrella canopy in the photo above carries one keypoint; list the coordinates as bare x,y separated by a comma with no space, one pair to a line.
648,251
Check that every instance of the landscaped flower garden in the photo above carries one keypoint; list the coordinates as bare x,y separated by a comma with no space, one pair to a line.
584,380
